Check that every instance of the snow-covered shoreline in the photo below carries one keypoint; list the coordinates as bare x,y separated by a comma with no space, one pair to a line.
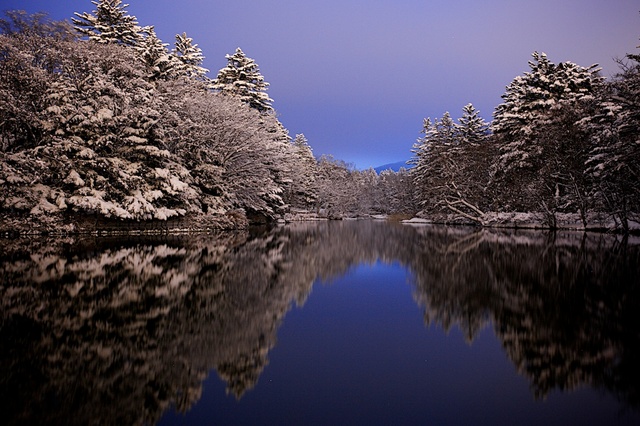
82,224
595,222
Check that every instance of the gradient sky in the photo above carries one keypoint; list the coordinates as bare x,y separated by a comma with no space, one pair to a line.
358,76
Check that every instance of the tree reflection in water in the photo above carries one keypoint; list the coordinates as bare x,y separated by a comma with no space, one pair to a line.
119,330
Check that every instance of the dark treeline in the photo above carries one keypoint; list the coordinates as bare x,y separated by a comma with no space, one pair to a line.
117,126
100,118
121,330
564,142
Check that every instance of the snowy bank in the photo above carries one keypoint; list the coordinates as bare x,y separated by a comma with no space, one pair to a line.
93,224
600,222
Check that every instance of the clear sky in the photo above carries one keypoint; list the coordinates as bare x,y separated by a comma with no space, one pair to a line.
358,76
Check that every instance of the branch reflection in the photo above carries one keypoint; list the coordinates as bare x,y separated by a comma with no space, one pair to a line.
121,329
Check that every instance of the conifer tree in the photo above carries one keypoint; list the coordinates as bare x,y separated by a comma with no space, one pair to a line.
110,24
241,77
189,58
442,177
536,100
303,191
472,127
421,161
154,53
531,99
303,151
542,150
614,157
446,129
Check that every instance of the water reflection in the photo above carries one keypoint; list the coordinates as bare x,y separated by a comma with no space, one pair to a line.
120,330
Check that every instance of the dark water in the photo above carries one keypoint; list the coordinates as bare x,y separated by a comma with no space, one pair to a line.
330,323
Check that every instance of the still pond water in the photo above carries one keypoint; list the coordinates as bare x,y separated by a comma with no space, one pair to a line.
330,323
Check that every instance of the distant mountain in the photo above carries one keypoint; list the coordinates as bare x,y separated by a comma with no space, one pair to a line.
393,166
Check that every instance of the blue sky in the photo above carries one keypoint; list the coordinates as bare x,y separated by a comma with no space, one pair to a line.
358,76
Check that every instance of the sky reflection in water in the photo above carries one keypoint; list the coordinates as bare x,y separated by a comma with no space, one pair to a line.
332,323
358,352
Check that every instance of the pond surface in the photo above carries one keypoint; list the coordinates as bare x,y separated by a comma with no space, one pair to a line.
322,323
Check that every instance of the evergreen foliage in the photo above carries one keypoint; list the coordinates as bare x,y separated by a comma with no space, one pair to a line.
531,99
155,55
446,131
614,157
108,126
109,23
472,127
189,58
303,192
241,78
88,128
536,100
564,141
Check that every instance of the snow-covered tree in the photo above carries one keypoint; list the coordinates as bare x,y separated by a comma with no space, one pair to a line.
109,23
302,191
420,160
228,148
447,175
336,191
241,78
614,157
155,55
20,23
439,136
97,152
472,127
396,192
84,130
533,100
446,129
28,65
303,151
189,58
368,192
542,150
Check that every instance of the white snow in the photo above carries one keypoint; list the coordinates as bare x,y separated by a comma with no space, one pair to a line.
74,179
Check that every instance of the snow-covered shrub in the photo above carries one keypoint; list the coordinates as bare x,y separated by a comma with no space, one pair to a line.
233,157
89,145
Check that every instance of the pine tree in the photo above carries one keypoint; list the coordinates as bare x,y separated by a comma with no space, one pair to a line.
303,191
542,151
446,129
614,157
422,146
472,127
303,151
110,24
421,161
154,53
531,99
443,178
535,100
241,77
189,58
